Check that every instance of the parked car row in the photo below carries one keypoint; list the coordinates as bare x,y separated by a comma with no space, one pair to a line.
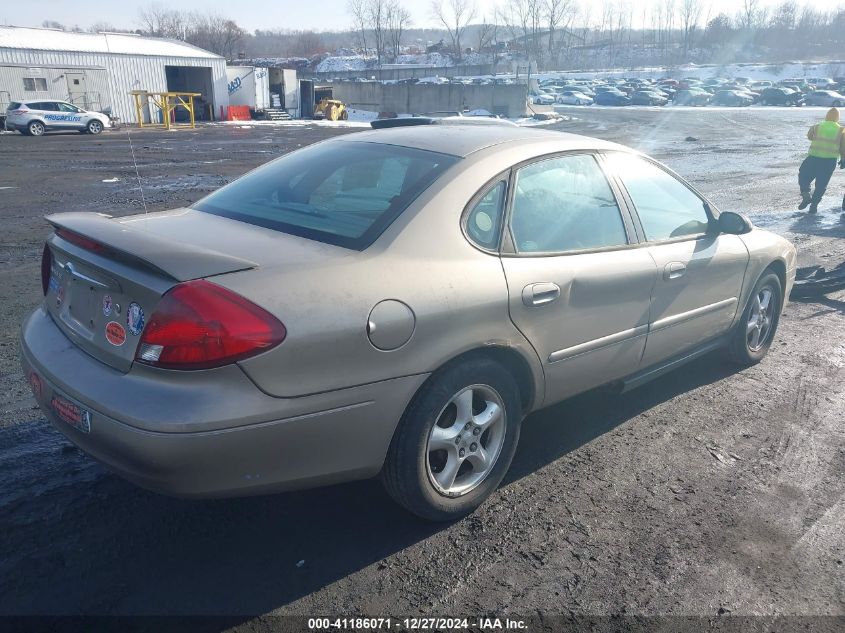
737,92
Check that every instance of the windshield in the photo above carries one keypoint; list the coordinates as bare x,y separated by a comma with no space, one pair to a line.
341,193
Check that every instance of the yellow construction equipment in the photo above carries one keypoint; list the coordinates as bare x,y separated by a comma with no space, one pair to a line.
331,110
162,105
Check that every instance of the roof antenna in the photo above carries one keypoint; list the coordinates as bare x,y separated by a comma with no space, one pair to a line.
137,173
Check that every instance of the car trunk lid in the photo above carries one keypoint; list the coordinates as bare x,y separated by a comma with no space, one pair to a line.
107,275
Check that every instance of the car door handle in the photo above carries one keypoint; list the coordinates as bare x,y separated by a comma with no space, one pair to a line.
674,270
540,293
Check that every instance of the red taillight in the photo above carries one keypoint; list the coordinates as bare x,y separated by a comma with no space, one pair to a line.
46,268
80,240
198,325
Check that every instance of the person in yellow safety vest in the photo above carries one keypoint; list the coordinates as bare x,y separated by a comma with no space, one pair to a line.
827,143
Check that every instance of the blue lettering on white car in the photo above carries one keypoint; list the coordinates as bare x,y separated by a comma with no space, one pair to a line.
62,117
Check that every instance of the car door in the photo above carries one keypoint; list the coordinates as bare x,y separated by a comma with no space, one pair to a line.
71,116
52,115
579,288
699,271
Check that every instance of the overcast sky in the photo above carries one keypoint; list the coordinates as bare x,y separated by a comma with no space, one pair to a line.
290,14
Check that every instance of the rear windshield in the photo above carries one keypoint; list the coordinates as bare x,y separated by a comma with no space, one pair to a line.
14,105
341,193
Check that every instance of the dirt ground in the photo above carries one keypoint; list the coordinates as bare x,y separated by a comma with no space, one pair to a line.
710,491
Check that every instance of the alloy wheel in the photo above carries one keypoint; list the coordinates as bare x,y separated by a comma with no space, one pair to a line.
36,128
759,324
465,441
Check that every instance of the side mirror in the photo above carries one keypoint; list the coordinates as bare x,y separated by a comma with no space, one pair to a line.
733,223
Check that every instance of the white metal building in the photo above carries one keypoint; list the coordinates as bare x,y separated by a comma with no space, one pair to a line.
97,70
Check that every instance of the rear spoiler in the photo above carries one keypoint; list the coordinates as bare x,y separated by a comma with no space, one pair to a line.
177,260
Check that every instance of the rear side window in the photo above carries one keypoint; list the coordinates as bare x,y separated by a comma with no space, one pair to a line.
565,204
667,207
484,221
343,193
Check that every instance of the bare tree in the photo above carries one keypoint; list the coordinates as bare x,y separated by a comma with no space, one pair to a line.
786,16
748,14
455,16
358,10
690,15
214,33
159,21
559,13
383,22
99,27
524,20
488,34
398,18
376,11
671,13
308,43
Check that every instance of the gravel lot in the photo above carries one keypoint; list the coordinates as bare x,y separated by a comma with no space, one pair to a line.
707,492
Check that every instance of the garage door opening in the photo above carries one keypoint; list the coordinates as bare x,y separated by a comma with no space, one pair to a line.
192,79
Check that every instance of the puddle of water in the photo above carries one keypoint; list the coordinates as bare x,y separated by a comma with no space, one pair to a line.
825,223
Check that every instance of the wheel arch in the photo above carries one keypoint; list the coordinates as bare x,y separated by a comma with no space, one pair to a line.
777,266
509,357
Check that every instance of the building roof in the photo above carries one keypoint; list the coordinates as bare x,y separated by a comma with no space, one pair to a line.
115,43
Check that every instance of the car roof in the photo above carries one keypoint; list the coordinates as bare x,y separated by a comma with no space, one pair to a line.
463,140
25,101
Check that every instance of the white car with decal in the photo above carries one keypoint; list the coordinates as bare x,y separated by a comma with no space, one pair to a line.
36,116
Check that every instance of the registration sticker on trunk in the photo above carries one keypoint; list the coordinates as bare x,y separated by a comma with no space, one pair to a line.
71,413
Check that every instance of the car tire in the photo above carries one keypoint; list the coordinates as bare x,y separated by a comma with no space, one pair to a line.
416,473
749,343
837,104
94,126
35,128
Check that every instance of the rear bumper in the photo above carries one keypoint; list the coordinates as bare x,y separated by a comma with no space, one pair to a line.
174,432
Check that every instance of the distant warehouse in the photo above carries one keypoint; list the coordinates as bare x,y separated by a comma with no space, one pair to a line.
97,70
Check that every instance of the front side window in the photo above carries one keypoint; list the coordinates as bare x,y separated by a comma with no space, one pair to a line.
35,84
667,207
343,193
565,204
66,107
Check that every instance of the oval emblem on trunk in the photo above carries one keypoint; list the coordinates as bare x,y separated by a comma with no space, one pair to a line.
115,333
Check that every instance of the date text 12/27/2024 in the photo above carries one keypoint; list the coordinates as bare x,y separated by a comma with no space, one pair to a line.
415,624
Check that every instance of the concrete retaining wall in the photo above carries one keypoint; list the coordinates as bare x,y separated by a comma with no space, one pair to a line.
405,72
505,100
